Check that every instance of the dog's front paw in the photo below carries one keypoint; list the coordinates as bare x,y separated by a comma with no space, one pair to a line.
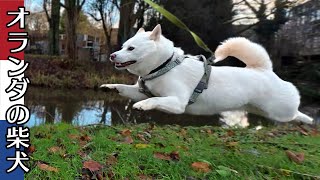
144,105
109,87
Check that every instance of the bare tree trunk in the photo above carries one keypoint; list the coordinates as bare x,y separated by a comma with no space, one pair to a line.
54,22
54,27
126,20
71,48
73,7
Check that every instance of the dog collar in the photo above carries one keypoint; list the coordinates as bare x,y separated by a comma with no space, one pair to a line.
162,65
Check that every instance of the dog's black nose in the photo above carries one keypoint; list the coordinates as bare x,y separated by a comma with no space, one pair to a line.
113,56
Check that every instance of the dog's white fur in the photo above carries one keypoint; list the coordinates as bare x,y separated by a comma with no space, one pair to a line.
255,88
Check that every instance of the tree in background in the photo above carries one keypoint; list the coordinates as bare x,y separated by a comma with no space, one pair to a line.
84,25
263,16
205,18
54,21
73,8
37,22
130,12
103,11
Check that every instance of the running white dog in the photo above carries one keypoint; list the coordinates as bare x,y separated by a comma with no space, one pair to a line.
255,88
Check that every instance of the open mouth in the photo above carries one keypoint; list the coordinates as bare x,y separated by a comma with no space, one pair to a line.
121,65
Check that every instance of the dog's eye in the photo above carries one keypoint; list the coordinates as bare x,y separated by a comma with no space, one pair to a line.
130,48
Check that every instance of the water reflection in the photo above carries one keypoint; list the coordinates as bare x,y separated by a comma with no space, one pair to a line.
83,107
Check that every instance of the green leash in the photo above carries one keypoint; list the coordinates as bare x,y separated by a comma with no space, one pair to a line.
172,18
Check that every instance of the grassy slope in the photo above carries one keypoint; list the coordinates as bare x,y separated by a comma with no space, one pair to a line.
241,150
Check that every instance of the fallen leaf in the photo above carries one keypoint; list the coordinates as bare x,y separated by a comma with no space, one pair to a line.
232,144
201,166
144,177
314,132
92,165
128,140
296,157
141,146
230,133
31,149
85,138
46,167
82,154
125,132
183,132
175,155
111,160
55,149
303,131
162,156
73,136
141,137
209,131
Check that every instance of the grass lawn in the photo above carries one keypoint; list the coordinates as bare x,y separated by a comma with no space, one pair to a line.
172,152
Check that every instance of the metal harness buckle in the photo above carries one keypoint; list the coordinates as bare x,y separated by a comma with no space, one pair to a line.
200,87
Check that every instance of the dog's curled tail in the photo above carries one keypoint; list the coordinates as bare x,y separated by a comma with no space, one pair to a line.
252,54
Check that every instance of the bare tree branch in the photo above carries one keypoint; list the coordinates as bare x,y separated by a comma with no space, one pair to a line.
251,7
45,2
237,19
62,5
94,17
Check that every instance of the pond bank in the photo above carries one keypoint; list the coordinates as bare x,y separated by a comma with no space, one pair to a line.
58,72
148,151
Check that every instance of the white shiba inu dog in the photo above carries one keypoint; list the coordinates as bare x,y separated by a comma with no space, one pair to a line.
255,88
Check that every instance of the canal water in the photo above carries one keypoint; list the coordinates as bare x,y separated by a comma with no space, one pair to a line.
84,107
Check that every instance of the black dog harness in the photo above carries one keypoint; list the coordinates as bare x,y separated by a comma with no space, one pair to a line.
170,64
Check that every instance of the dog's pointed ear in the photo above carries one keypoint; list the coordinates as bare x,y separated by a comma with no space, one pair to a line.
156,33
141,30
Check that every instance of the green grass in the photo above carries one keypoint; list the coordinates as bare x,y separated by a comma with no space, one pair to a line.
250,154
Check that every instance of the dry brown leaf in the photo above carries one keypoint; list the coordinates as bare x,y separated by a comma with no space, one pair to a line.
111,160
175,155
144,177
295,157
46,167
314,132
201,167
141,137
125,132
92,165
82,154
85,138
209,131
183,132
73,136
31,149
55,149
230,133
160,155
128,140
303,130
232,144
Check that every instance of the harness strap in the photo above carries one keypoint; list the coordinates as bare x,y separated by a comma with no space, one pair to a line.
204,81
143,88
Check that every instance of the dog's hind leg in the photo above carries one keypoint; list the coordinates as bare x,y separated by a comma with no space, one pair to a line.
304,118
